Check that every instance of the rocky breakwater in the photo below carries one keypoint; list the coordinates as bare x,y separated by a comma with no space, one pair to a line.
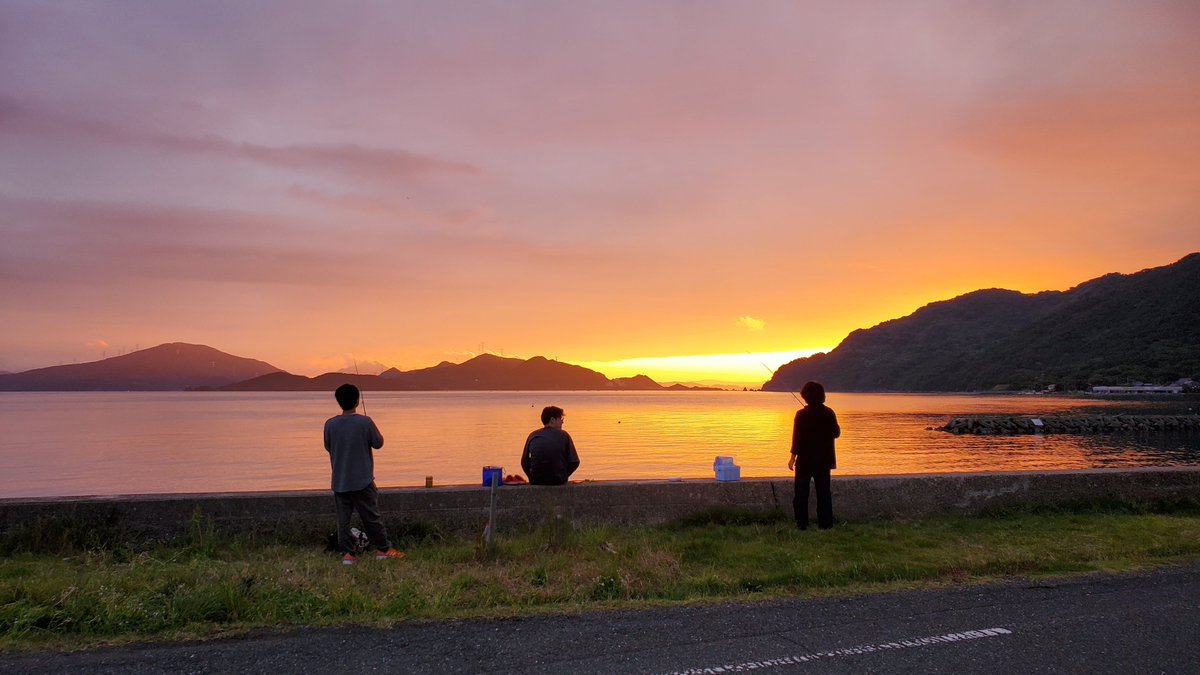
1003,425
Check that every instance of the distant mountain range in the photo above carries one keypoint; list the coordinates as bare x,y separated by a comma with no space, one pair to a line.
178,366
169,367
486,372
1113,330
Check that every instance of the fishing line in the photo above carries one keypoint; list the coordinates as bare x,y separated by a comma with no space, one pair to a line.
772,372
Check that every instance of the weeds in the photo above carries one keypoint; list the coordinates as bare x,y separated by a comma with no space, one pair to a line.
83,594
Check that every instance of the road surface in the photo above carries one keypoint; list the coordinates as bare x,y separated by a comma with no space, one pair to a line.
1145,622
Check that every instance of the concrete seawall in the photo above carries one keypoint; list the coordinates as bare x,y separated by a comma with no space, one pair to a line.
463,509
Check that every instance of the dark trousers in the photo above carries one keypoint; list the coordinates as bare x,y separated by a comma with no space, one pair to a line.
820,478
366,503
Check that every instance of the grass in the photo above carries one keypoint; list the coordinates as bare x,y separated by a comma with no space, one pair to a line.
78,596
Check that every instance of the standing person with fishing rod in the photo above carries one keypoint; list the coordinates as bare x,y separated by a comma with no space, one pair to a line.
350,440
812,458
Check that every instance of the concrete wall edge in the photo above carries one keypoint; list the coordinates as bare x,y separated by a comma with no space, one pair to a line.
463,509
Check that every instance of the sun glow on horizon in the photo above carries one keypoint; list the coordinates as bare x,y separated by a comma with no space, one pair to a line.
743,370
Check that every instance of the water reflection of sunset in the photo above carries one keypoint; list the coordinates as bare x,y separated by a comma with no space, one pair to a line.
881,434
115,443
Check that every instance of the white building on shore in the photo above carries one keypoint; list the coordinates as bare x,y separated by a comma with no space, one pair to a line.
1140,389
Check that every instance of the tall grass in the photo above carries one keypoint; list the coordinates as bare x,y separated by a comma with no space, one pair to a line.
86,594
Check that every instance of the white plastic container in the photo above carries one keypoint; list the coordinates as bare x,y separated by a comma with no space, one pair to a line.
729,472
725,469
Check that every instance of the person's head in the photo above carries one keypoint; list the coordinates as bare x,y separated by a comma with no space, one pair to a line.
347,396
813,393
550,413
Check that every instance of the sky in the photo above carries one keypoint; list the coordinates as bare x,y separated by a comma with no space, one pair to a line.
694,190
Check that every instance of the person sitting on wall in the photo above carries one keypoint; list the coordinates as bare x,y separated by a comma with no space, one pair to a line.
549,457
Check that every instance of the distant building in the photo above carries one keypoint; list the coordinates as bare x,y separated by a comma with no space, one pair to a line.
1140,389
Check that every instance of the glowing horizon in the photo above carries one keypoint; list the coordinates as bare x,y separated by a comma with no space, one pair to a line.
732,370
741,370
749,369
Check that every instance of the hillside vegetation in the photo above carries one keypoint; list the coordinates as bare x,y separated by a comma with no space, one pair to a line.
1113,330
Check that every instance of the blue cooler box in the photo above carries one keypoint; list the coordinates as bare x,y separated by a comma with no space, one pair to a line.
489,471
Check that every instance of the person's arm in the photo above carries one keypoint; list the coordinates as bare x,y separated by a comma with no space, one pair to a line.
837,431
795,442
328,440
526,462
376,437
572,455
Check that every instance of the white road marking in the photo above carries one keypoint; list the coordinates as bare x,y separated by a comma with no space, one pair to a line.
847,651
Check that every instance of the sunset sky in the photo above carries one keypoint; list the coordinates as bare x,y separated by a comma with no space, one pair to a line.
318,183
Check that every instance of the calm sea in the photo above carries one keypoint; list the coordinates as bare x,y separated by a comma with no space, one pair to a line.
139,442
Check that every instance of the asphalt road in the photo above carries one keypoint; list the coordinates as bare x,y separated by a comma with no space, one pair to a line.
1148,622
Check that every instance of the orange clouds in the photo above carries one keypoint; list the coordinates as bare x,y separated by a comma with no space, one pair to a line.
1147,132
751,323
593,181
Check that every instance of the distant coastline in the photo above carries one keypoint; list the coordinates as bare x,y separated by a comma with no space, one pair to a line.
179,366
1116,330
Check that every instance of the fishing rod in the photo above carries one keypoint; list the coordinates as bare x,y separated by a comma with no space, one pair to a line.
772,372
362,398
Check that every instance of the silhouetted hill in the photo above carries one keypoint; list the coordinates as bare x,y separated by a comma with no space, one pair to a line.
636,383
679,386
279,381
486,372
283,381
1112,330
179,366
491,372
167,367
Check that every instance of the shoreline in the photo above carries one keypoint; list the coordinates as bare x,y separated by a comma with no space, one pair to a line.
463,509
308,492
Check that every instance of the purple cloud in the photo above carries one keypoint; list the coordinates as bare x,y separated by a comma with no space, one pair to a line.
347,159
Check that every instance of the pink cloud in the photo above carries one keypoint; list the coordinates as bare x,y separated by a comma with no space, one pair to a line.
65,243
346,159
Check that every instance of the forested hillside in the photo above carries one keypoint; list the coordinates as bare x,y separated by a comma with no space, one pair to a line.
1116,329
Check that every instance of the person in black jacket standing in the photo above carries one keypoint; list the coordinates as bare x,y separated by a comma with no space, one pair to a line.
812,455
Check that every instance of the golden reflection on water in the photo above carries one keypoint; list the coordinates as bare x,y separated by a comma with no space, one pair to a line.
122,443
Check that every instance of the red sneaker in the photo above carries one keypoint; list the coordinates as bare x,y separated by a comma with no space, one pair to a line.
349,559
390,553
